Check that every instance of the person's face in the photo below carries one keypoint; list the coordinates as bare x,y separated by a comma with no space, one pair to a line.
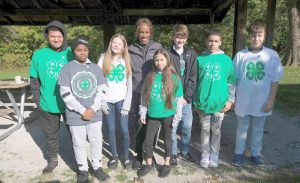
257,39
179,42
160,61
144,34
117,45
81,52
56,39
213,43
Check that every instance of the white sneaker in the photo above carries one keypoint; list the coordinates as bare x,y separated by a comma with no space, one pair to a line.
213,161
204,160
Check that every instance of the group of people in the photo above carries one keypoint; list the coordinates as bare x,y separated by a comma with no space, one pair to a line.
149,88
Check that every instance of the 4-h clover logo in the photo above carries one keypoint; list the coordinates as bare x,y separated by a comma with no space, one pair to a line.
156,91
212,71
255,71
117,73
84,84
54,67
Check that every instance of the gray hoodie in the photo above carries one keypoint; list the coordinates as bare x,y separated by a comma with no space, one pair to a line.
61,27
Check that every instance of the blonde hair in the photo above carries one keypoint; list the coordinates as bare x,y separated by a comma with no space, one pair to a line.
142,21
108,56
180,31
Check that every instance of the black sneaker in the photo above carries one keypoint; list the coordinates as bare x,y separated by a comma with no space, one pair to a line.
113,163
82,177
127,163
256,160
137,165
173,160
144,170
165,171
187,157
50,166
101,175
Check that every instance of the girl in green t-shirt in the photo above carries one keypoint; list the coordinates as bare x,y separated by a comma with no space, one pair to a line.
161,100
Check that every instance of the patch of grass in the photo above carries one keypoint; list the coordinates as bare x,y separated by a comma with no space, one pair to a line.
11,73
288,98
274,178
183,170
121,176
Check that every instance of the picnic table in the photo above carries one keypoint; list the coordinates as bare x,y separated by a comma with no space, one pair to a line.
6,109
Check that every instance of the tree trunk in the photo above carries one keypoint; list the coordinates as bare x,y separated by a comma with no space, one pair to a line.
292,57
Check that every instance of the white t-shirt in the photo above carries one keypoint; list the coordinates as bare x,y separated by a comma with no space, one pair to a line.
255,73
116,80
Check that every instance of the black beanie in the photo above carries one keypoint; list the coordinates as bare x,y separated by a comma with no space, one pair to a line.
77,41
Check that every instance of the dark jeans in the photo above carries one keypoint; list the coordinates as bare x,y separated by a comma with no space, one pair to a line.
50,123
152,127
115,109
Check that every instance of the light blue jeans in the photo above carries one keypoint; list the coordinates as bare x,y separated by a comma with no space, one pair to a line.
243,124
185,130
211,132
115,109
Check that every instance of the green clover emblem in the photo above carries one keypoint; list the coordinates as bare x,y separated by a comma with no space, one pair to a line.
85,84
117,73
212,71
156,91
255,71
53,68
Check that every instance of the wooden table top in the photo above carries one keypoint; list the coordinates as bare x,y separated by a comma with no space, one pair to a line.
11,84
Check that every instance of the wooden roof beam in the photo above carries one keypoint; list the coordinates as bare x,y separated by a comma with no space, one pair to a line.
56,3
124,12
16,5
37,4
83,7
220,6
99,2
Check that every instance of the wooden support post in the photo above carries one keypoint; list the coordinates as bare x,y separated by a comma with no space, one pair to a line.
270,22
212,20
108,32
240,21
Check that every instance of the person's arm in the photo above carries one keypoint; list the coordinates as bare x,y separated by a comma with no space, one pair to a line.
70,100
268,106
231,98
35,90
178,114
191,83
127,101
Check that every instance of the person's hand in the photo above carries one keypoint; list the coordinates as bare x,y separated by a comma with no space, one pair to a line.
198,111
268,106
227,107
88,114
184,102
143,120
105,109
124,112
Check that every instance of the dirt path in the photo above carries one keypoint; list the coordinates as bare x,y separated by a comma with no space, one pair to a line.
22,155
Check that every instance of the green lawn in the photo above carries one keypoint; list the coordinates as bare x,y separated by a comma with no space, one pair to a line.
288,97
11,73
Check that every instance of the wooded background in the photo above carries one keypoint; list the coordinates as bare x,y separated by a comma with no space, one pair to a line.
17,43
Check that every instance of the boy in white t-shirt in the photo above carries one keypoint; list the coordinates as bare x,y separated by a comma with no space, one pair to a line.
258,71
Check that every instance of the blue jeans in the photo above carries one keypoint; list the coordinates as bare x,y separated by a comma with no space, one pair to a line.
186,128
257,134
115,109
211,132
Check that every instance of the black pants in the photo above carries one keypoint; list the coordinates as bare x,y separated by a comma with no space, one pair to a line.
50,123
151,130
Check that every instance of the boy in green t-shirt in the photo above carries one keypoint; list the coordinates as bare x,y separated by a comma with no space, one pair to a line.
44,71
214,96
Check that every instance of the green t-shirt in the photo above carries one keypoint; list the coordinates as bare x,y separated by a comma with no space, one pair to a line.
157,108
46,65
215,72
